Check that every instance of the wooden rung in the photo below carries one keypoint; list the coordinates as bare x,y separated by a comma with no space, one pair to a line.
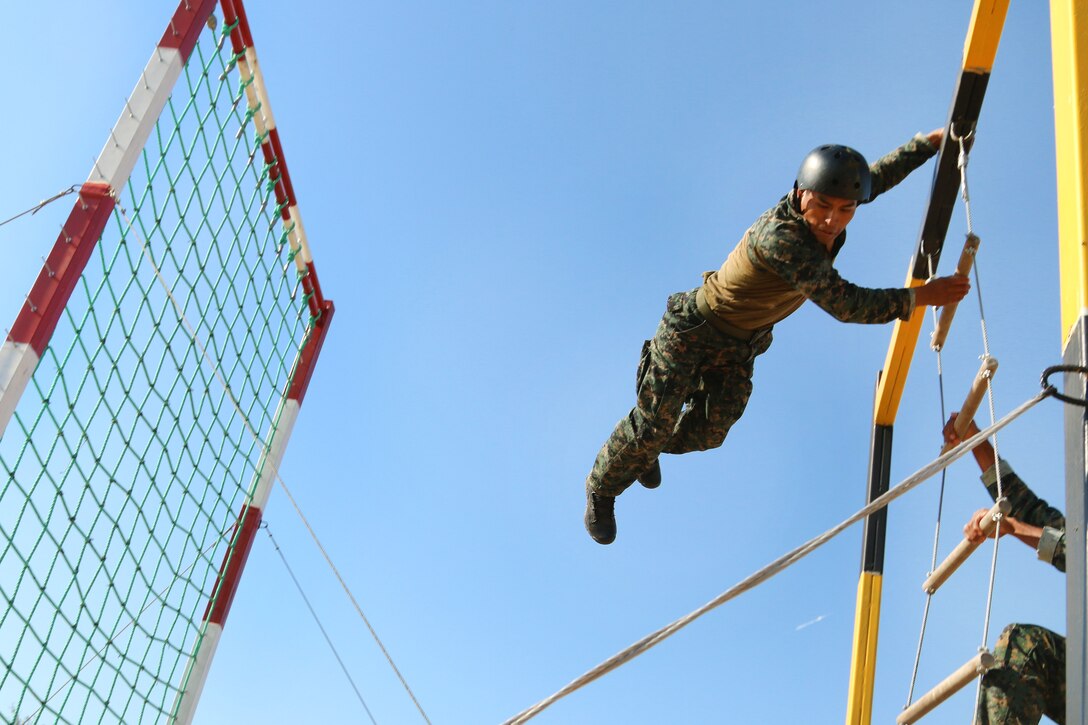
986,371
971,669
965,548
974,397
963,268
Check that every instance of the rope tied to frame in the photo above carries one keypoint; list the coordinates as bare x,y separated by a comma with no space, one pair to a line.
778,565
1048,387
961,162
44,203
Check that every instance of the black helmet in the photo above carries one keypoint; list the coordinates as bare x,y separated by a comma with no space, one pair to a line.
836,171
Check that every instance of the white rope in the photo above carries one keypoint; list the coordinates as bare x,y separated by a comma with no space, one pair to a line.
317,620
962,162
777,565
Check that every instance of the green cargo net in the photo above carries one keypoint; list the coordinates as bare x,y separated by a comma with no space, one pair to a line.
127,461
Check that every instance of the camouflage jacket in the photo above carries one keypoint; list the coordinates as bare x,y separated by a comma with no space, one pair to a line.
779,263
1030,509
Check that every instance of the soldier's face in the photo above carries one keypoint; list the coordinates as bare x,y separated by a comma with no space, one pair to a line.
827,216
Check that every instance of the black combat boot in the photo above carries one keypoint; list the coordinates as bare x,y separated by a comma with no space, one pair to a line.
651,477
600,517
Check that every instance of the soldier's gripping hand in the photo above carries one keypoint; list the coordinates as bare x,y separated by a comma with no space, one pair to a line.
942,291
972,530
951,437
984,453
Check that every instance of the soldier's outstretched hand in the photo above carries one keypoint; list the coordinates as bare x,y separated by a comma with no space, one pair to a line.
942,291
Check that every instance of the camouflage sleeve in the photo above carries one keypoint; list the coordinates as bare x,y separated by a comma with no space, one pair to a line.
1030,509
808,270
1026,506
892,168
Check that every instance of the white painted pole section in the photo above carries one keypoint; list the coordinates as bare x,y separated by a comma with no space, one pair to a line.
141,113
253,99
267,472
17,363
976,666
303,259
249,68
269,467
965,548
259,89
196,673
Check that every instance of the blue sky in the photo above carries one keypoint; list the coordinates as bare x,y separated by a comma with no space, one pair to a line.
499,197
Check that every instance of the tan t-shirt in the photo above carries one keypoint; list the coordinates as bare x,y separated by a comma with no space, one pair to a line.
779,263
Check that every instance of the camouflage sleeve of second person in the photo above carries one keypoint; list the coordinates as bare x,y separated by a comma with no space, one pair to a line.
892,168
1030,509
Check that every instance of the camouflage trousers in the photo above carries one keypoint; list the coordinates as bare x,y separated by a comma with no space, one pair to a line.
1028,681
692,384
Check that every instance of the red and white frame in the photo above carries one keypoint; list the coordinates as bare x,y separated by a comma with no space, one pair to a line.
249,518
37,320
42,309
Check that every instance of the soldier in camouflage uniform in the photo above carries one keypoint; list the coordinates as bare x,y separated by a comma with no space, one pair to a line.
695,376
1028,680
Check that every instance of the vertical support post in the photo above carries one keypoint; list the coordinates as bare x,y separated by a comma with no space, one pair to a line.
1069,42
1076,509
870,582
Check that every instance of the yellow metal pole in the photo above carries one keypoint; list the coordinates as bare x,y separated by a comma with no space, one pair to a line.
865,634
1070,74
1069,43
897,363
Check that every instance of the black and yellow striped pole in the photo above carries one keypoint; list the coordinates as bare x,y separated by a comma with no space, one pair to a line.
1069,43
983,35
